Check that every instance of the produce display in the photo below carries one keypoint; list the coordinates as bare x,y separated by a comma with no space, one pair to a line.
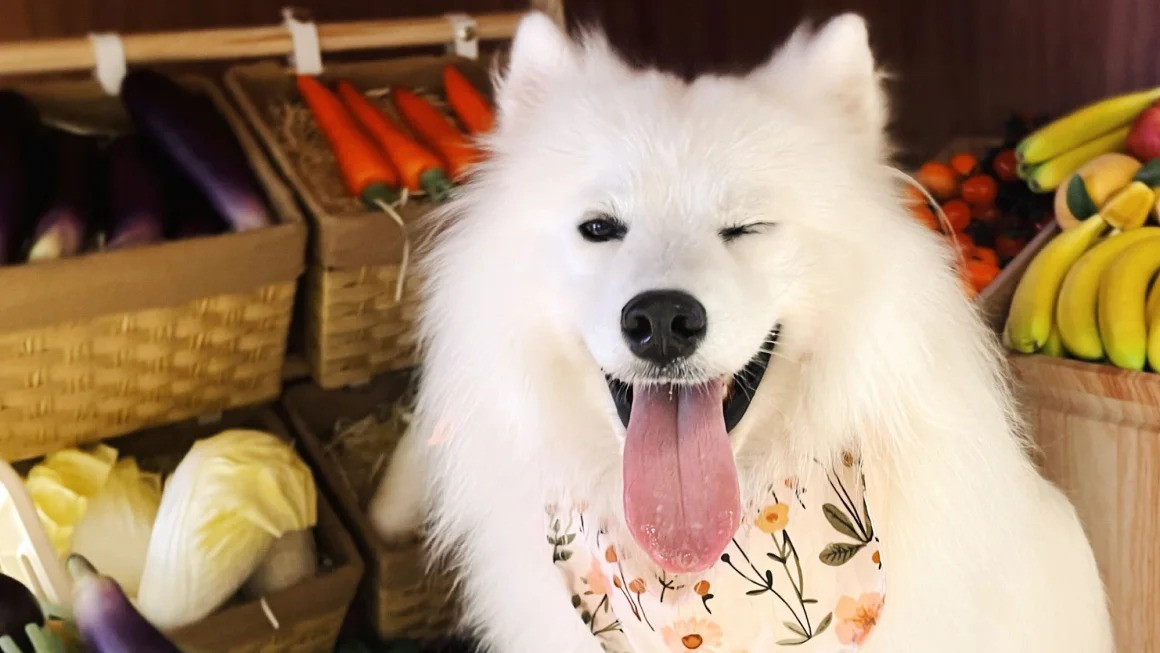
990,214
1089,293
182,173
234,518
422,151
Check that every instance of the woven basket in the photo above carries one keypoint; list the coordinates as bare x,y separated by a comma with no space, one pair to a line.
109,343
399,597
309,615
355,327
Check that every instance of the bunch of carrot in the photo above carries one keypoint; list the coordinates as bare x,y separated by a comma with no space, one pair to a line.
376,157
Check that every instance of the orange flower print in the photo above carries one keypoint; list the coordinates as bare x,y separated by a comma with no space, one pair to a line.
693,635
610,555
773,518
596,580
637,586
701,588
856,618
617,582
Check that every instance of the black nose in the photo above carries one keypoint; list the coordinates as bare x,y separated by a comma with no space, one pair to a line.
663,326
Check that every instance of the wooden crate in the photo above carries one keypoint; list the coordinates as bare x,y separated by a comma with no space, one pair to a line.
1098,431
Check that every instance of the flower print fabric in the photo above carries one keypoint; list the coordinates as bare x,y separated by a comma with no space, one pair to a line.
804,573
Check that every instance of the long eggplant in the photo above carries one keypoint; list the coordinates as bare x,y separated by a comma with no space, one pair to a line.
18,119
136,196
199,140
107,620
60,230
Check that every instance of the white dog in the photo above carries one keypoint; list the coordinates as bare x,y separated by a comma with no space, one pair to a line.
694,380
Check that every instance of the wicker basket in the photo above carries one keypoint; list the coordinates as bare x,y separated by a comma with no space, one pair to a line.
109,343
399,597
304,618
355,327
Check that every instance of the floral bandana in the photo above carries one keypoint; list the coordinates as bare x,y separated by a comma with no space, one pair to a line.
802,574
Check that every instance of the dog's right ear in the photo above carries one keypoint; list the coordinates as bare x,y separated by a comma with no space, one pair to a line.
541,52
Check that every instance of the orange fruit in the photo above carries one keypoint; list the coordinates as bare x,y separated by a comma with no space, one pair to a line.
924,215
980,190
958,214
964,163
987,255
981,273
940,179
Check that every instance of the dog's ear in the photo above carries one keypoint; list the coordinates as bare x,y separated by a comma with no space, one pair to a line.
833,67
541,52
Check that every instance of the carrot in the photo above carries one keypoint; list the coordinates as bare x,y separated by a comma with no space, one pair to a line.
419,168
469,105
367,172
436,131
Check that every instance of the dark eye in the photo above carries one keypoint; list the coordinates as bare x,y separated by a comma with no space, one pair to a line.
736,231
603,229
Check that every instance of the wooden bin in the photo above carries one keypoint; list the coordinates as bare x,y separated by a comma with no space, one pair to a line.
1098,431
111,342
309,615
1097,428
355,328
399,597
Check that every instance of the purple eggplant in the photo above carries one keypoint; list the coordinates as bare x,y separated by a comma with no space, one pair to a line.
60,230
107,620
136,196
197,137
18,120
18,609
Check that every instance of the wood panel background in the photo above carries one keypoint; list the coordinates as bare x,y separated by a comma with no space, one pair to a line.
960,67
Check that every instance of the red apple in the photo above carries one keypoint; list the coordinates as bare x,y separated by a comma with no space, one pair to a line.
1144,138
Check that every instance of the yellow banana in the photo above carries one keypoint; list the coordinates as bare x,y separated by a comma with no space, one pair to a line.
1086,190
1033,304
1075,310
1130,207
1054,345
1121,303
1047,176
1153,311
1083,125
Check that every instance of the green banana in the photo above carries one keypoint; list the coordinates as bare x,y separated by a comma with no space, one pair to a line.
1121,304
1047,176
1033,304
1083,125
1075,310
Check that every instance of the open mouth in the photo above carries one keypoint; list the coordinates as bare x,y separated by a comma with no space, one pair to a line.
682,496
738,388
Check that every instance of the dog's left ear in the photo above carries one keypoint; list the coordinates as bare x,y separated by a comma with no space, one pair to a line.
834,67
541,54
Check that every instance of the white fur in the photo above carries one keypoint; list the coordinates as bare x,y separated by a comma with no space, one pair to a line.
880,350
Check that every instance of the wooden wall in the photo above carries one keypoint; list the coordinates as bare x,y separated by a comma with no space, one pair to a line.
960,67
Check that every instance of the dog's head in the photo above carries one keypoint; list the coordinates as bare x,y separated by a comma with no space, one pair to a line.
678,237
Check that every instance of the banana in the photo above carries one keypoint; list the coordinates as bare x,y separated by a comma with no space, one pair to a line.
1121,303
1075,310
1083,125
1033,304
1054,345
1047,176
1130,207
1153,311
1086,190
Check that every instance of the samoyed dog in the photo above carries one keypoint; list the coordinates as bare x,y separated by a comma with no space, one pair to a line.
694,380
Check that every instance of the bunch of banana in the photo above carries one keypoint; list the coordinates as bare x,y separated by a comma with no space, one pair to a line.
1079,294
1049,155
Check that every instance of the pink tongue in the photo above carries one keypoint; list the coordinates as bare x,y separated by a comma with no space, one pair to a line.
681,496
